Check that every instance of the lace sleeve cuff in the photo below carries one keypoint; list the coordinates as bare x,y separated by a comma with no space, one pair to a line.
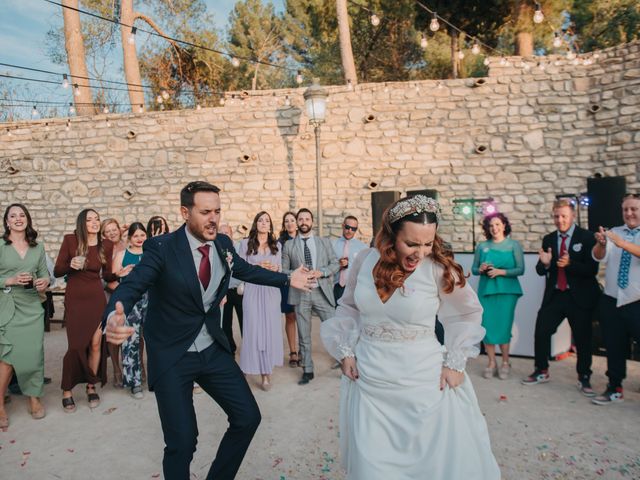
345,351
457,359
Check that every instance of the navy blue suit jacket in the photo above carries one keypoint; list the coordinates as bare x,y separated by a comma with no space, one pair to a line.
175,314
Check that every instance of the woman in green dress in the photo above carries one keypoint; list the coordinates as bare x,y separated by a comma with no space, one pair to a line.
499,261
23,275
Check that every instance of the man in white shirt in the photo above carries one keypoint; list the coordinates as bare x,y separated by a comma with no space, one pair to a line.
619,309
346,248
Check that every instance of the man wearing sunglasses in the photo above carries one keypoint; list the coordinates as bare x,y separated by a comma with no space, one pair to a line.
346,248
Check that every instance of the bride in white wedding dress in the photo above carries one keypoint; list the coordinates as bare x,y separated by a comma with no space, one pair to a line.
407,409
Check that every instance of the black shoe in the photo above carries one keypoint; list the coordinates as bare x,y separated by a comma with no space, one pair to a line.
47,380
584,386
306,378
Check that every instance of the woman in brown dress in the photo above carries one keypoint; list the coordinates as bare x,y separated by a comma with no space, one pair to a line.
83,256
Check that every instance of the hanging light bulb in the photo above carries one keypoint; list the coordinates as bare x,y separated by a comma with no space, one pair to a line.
132,36
503,61
349,85
375,20
65,81
235,62
424,43
542,66
586,62
159,100
68,126
287,101
460,54
34,112
557,40
570,54
525,66
105,110
417,88
165,94
140,108
538,16
486,62
222,101
198,107
108,124
72,109
46,126
476,48
596,56
434,25
9,133
76,89
299,78
576,61
440,86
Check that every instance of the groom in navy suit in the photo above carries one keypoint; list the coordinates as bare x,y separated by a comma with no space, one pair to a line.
187,274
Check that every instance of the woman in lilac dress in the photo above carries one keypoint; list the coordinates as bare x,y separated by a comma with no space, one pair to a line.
262,333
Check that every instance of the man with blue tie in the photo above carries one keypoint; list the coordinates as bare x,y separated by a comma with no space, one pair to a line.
187,274
619,308
571,292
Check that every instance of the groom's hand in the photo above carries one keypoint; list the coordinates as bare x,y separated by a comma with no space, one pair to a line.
301,278
116,332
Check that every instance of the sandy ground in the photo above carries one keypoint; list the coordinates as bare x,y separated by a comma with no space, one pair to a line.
546,431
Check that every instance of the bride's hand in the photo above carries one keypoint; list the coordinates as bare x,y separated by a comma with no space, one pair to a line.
349,368
450,377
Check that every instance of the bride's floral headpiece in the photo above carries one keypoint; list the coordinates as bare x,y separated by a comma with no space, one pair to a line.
414,206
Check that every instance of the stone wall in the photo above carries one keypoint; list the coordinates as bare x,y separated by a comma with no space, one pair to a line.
536,125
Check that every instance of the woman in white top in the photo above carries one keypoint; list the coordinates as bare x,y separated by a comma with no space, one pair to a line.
407,409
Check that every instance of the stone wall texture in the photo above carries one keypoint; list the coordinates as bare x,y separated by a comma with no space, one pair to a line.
539,135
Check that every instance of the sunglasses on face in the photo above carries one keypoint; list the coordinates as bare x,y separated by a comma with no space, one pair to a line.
349,227
631,195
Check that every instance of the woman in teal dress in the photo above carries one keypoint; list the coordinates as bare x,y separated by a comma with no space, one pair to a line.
499,261
23,275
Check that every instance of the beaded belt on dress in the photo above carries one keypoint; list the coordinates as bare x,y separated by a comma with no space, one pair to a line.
388,333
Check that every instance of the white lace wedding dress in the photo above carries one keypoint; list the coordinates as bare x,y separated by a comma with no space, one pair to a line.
395,422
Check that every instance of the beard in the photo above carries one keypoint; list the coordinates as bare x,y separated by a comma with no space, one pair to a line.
304,229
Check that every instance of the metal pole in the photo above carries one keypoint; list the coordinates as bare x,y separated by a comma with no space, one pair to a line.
473,226
316,130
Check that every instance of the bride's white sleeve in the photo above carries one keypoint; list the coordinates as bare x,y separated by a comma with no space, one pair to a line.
341,333
460,313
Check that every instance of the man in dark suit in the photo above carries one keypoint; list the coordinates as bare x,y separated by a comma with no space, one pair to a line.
571,292
187,274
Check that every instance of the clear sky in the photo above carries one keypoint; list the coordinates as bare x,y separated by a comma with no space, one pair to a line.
23,28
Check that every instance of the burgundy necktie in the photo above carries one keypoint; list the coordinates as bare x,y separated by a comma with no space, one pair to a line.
204,272
562,275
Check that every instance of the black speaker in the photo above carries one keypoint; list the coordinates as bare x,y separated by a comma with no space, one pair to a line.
427,192
605,200
379,202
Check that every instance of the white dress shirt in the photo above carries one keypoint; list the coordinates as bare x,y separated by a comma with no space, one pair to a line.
355,247
611,258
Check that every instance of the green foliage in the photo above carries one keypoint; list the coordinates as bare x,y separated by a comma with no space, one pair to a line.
255,33
605,23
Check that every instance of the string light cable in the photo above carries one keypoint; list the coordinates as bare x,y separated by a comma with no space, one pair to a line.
173,39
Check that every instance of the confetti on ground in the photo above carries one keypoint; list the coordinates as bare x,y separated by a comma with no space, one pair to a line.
276,462
109,411
70,450
155,475
503,398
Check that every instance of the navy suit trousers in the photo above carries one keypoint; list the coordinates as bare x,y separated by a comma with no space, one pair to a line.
217,373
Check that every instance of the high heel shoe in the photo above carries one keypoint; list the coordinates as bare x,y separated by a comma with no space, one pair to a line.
293,359
489,372
505,370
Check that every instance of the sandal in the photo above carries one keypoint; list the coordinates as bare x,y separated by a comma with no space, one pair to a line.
68,404
92,397
294,360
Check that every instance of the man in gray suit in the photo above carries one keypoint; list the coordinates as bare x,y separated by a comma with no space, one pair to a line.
317,255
